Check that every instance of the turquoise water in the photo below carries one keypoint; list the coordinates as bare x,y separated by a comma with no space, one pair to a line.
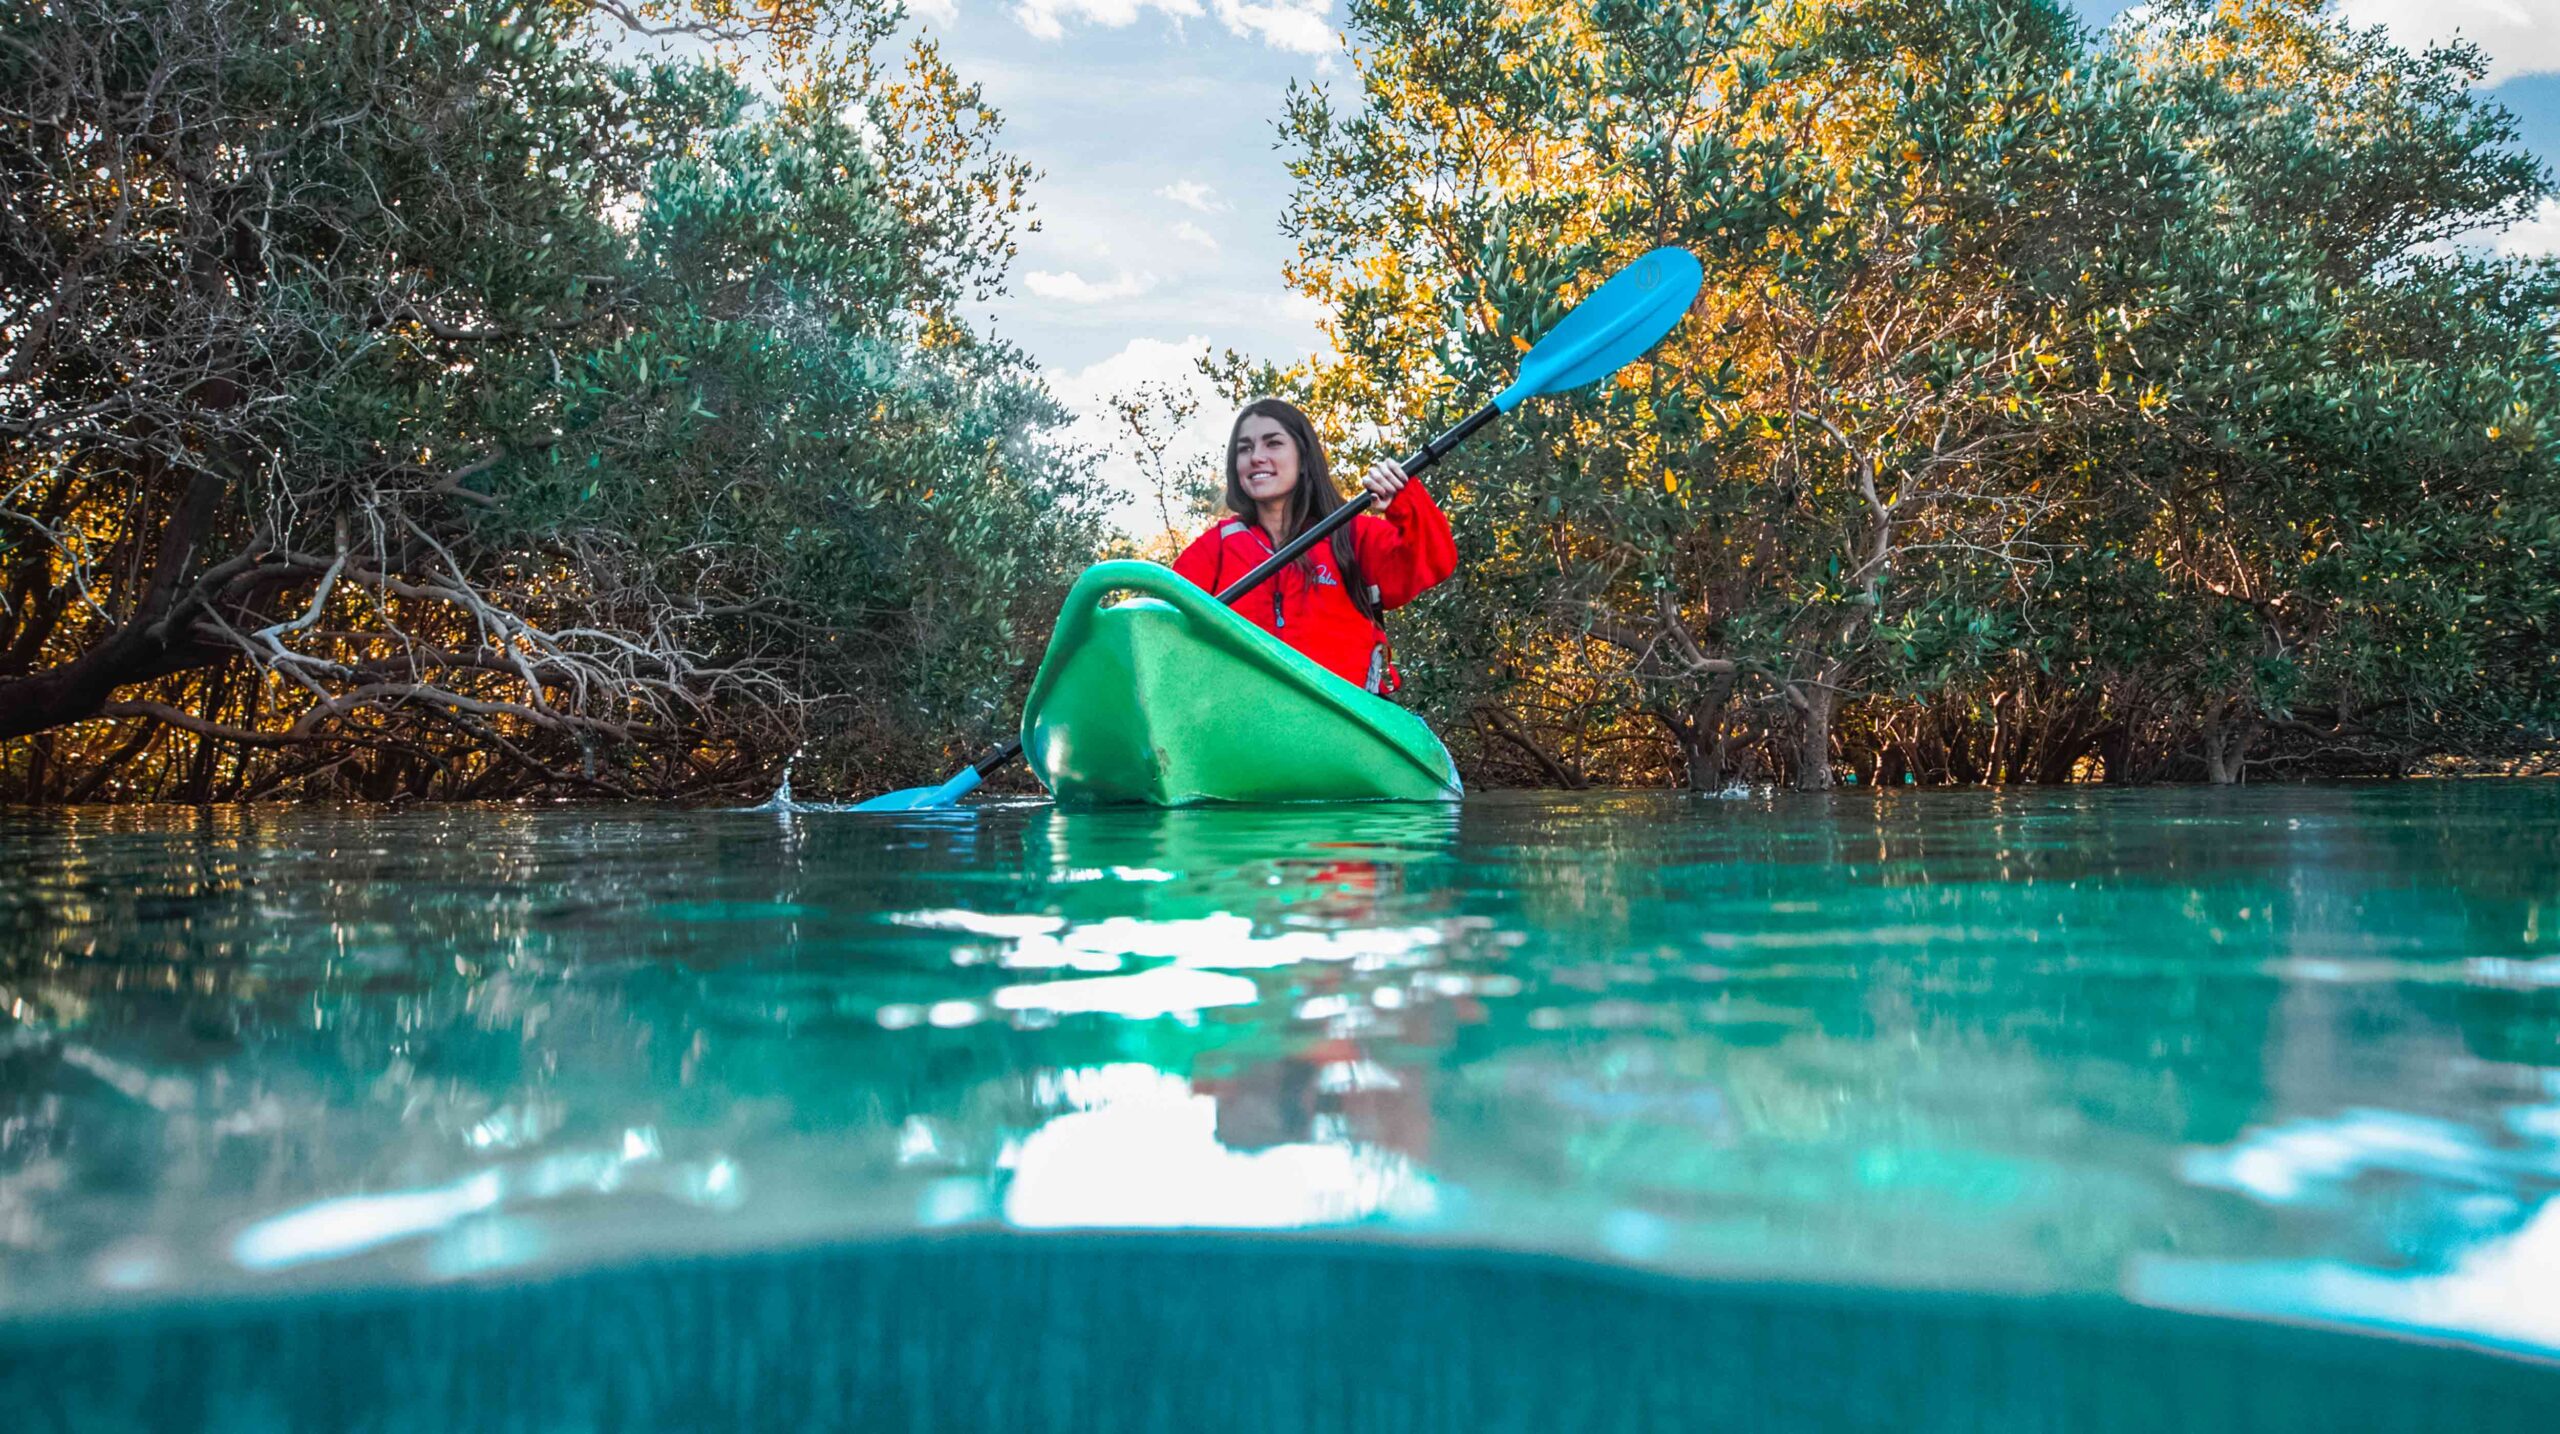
2288,1053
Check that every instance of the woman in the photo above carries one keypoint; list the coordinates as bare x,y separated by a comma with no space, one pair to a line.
1328,603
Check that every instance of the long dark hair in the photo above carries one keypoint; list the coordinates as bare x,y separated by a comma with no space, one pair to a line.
1314,497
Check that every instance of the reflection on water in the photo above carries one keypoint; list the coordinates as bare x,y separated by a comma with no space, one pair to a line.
1132,1146
2275,1052
2469,1234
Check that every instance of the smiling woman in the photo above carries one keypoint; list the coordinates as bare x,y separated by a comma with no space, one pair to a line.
1331,602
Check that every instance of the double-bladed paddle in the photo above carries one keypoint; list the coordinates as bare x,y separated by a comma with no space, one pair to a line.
1610,329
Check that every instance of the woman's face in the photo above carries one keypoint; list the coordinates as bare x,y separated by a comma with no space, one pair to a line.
1266,459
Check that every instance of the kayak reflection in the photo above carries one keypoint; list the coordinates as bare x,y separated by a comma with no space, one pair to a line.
1206,845
1310,1107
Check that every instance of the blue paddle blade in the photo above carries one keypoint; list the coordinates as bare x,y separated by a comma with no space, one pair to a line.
921,798
1610,329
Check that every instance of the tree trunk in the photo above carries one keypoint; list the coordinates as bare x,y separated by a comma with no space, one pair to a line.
1705,746
208,749
1892,765
138,651
1502,725
249,719
104,771
39,757
2227,740
2063,734
1962,769
2062,758
1813,735
2115,755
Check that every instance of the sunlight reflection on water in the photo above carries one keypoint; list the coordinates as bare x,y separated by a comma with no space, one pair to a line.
2274,1053
1136,1147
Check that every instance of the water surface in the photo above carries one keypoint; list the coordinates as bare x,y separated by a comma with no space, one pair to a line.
2285,1052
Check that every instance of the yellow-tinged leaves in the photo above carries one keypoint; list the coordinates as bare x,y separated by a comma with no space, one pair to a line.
1520,342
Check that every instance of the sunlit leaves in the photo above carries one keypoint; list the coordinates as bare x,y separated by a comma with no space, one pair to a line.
2026,364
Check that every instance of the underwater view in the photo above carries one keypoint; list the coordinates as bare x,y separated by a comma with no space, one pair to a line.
2285,1056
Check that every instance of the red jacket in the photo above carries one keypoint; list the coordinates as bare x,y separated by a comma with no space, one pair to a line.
1401,554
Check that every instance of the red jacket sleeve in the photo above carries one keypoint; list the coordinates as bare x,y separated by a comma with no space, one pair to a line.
1408,550
1199,562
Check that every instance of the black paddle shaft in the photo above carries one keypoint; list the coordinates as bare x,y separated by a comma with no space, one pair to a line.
1432,452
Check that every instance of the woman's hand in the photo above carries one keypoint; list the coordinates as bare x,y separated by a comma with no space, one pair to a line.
1386,478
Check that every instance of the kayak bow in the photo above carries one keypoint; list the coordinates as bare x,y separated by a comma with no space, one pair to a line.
1172,698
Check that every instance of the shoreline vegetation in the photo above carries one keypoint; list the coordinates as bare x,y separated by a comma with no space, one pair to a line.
410,401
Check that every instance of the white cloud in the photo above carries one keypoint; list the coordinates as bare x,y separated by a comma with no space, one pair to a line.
2538,237
1192,194
945,13
1290,306
1303,26
1190,233
1143,362
1048,18
1074,288
2522,37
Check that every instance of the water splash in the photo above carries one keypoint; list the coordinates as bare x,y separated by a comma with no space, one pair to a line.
781,800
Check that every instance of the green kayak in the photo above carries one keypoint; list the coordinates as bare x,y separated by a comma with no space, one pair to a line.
1172,698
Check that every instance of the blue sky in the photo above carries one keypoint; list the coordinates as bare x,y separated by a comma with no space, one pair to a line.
1162,190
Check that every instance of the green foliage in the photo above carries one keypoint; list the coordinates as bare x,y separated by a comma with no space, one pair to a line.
2052,400
512,414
